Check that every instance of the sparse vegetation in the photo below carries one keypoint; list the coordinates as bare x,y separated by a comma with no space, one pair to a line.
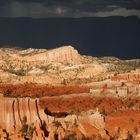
66,90
27,130
56,124
70,136
132,120
20,72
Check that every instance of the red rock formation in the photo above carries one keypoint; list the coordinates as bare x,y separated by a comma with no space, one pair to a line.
132,76
13,110
16,113
36,90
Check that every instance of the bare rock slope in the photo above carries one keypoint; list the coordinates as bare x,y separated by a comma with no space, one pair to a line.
22,118
60,65
63,65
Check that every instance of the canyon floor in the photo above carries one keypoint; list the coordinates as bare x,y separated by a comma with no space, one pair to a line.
59,94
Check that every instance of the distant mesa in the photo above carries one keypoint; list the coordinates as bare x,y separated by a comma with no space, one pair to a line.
65,54
62,65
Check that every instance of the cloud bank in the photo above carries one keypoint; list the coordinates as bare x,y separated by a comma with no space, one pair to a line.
69,8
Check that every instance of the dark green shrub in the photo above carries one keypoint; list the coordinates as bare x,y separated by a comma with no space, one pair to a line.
71,136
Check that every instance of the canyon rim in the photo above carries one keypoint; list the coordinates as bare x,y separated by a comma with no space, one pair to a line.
61,94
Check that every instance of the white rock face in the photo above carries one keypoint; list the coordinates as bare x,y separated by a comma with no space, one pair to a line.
97,120
65,54
35,71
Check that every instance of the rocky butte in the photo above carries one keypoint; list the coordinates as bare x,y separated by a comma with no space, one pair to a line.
59,94
66,54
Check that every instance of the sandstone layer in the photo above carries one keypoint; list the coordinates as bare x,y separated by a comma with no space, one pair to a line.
60,94
60,66
16,113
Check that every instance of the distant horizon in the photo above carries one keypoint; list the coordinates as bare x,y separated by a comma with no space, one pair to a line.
94,36
48,49
134,16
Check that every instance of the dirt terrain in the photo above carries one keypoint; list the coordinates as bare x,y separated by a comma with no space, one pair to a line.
60,94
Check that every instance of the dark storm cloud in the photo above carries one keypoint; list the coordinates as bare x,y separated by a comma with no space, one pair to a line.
89,4
69,8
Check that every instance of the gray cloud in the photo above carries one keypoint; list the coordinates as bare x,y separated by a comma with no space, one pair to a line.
15,9
119,12
68,8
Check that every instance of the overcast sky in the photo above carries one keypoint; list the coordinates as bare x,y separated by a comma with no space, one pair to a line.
69,8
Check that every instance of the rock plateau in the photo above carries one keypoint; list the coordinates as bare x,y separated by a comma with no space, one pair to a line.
58,94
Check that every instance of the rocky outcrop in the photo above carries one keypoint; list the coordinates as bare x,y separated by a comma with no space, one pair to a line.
61,70
133,76
63,65
14,110
65,54
21,116
97,120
